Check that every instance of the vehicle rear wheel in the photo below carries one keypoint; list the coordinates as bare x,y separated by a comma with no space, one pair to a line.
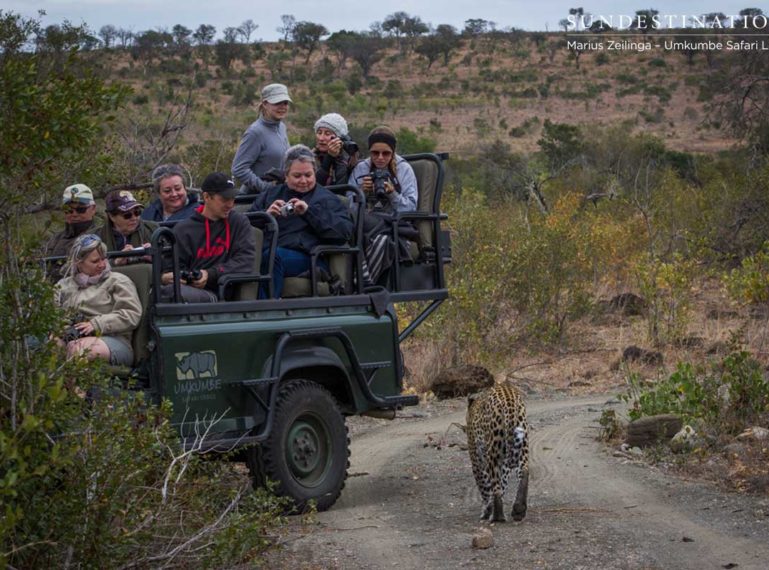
307,452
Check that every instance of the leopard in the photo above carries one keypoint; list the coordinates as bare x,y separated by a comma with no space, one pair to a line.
497,440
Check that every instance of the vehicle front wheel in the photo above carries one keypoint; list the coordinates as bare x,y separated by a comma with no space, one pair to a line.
307,452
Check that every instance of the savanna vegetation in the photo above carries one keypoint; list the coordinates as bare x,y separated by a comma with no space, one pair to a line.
574,178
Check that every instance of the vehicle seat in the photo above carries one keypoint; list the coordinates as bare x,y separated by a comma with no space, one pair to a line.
249,291
425,272
340,264
141,275
427,172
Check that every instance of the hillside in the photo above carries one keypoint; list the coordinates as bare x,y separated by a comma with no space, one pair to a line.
491,89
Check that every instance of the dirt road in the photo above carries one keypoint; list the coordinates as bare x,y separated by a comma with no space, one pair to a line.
411,502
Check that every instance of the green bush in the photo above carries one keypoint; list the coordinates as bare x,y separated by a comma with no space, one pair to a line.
749,283
727,397
104,482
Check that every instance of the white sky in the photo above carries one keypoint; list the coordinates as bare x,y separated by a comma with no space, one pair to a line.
140,15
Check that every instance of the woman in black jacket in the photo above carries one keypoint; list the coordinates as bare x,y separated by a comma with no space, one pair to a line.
307,213
335,153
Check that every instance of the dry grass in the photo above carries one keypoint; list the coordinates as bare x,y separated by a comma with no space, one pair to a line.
586,363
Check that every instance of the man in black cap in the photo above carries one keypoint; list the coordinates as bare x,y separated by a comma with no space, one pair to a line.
213,242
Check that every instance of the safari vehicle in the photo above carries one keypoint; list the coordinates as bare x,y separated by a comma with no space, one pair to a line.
273,379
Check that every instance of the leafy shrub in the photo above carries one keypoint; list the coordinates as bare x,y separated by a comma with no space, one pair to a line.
106,480
750,282
666,286
731,395
410,142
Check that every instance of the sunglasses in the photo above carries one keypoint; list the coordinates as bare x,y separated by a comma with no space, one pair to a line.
132,214
88,240
78,209
381,153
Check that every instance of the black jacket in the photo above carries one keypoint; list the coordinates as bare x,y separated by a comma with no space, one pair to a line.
221,247
326,221
333,170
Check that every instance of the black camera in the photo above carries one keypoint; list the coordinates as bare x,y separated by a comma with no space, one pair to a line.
287,209
379,176
349,145
71,332
190,276
274,175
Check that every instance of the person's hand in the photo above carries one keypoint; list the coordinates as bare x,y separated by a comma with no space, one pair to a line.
275,207
389,187
124,260
300,206
167,278
367,184
335,147
85,328
147,258
201,283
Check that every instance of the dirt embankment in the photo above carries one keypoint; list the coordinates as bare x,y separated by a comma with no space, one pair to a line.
411,502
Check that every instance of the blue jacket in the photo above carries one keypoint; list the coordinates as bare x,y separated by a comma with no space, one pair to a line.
154,212
326,221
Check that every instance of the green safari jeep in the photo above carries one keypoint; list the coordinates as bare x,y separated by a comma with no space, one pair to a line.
274,379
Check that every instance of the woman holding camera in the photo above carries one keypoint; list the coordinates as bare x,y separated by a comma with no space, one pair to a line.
390,186
125,229
307,213
335,153
107,304
265,141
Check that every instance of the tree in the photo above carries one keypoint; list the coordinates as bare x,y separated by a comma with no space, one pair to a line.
204,35
306,35
125,37
53,118
645,20
405,29
149,45
476,27
565,24
366,50
181,35
561,144
108,34
578,14
599,26
57,41
714,19
393,25
413,28
288,26
246,28
441,42
341,43
739,91
230,34
747,21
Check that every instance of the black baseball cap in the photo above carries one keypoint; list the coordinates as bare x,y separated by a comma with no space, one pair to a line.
219,183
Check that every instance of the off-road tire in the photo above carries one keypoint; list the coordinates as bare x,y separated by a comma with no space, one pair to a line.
307,452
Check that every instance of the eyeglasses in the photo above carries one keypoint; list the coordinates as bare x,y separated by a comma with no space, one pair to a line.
132,214
78,209
383,153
